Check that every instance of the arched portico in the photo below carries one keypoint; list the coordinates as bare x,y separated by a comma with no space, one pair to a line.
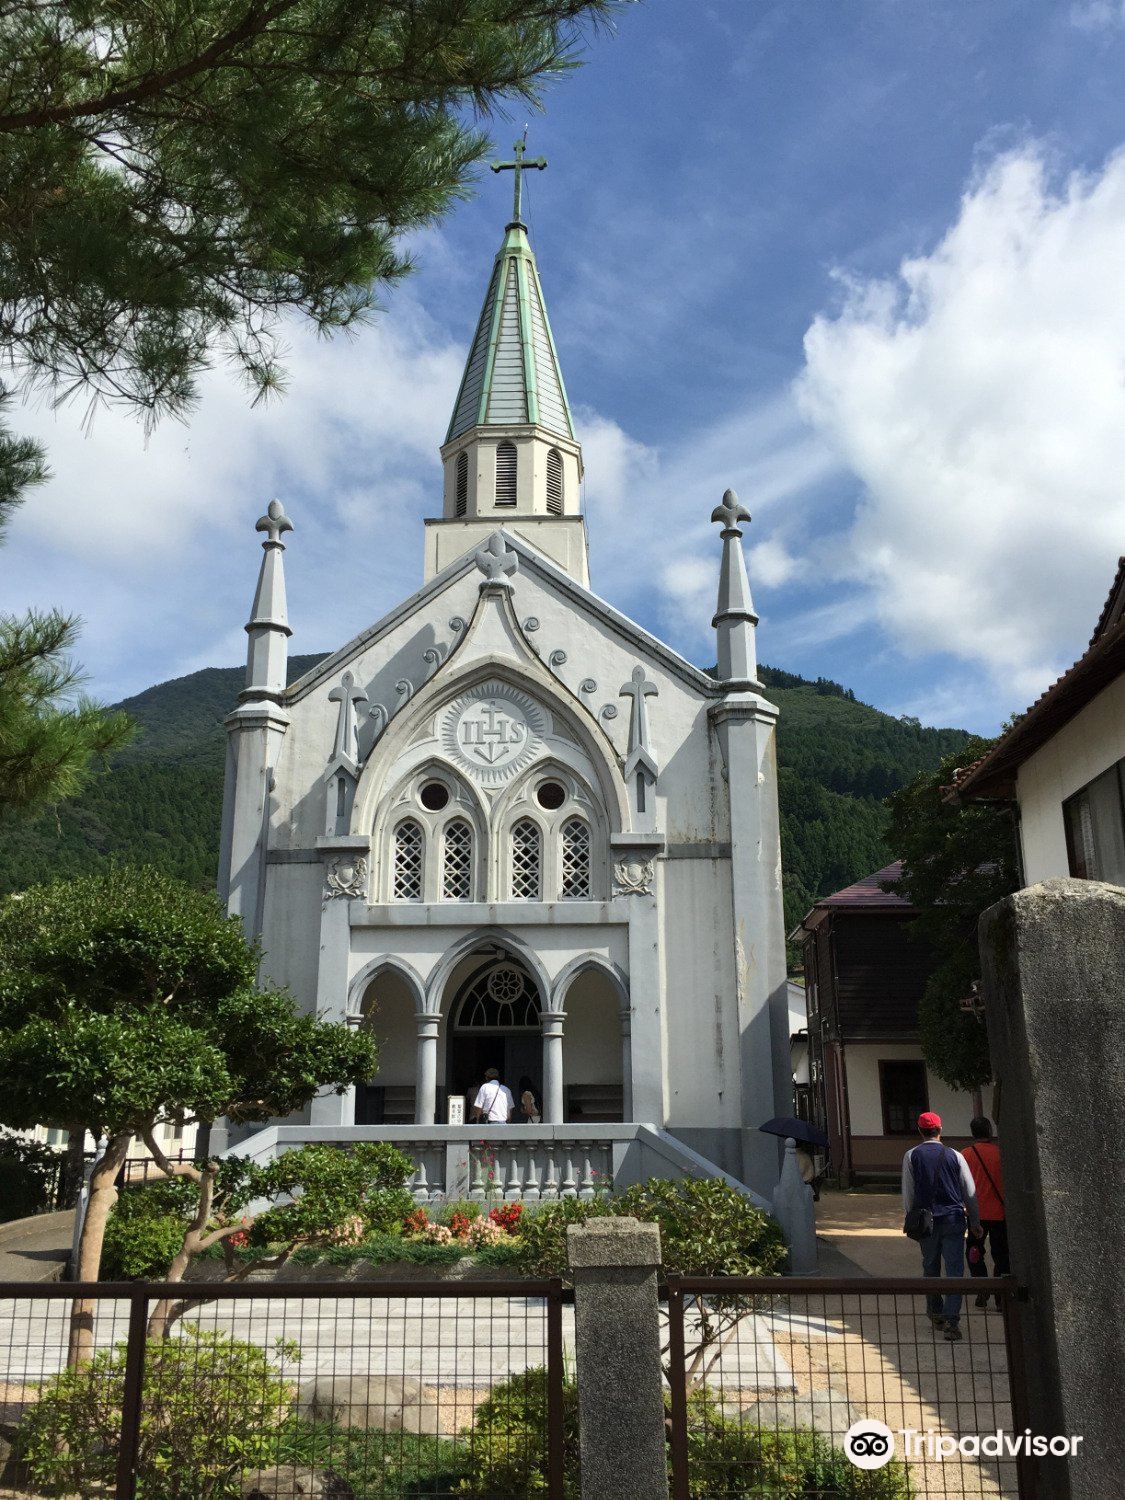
591,998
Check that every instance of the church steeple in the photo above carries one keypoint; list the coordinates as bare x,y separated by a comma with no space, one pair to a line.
511,457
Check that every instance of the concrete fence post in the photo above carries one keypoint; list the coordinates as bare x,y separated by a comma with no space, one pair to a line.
614,1262
1053,978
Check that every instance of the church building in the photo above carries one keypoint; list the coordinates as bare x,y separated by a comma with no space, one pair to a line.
507,827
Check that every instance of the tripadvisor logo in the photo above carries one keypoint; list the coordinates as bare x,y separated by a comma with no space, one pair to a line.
869,1444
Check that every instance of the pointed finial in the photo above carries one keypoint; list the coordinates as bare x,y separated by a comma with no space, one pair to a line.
730,513
349,697
275,523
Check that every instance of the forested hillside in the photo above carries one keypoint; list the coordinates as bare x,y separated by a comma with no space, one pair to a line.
160,802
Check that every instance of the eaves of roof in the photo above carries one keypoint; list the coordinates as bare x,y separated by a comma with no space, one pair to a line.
866,895
992,778
678,665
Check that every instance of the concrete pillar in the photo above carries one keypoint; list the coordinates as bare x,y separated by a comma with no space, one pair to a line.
617,1354
552,1065
626,1066
793,1210
745,725
329,1108
425,1086
648,1032
1053,979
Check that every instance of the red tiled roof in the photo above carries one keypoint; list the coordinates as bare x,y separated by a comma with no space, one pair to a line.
867,892
864,895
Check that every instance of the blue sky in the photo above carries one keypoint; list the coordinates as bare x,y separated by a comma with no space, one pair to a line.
860,259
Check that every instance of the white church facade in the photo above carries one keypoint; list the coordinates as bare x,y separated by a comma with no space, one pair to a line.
507,827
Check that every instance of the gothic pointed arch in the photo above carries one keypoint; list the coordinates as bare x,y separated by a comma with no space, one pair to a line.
562,724
488,942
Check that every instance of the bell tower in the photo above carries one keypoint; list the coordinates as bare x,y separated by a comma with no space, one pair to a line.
510,455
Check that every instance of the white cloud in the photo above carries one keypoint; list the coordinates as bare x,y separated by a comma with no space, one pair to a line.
1097,15
980,398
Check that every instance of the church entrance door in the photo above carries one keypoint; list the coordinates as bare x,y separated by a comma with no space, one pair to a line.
494,1023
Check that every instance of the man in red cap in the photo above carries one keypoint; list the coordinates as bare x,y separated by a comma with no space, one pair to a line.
936,1177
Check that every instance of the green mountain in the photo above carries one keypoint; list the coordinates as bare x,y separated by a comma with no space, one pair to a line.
159,803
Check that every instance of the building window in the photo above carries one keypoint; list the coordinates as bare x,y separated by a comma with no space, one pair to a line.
462,484
555,482
1095,828
457,862
575,860
905,1096
506,474
527,861
408,861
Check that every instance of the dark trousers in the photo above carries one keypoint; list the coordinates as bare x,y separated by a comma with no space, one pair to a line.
996,1236
945,1244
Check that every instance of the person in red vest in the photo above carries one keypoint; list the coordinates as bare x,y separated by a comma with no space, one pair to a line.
983,1157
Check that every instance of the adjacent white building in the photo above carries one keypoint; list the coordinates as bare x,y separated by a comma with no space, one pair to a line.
1062,763
506,826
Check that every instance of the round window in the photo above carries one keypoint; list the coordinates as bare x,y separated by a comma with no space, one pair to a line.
550,794
434,795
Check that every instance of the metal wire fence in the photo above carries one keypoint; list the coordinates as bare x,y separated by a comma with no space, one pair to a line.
819,1388
358,1391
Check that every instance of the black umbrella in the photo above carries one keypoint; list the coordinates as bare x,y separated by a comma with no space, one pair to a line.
799,1130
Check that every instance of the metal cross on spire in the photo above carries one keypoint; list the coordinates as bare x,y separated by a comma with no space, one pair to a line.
518,168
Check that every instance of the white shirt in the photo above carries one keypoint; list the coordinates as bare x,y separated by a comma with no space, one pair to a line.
495,1102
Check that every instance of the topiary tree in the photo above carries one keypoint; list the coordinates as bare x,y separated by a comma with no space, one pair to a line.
128,999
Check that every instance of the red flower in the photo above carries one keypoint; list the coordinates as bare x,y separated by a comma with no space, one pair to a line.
507,1217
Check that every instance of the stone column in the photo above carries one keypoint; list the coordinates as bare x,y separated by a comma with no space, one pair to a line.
1053,978
425,1086
617,1353
552,1065
626,1066
329,1109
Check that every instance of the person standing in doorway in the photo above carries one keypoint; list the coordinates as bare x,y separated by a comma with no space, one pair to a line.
937,1178
530,1111
983,1157
494,1103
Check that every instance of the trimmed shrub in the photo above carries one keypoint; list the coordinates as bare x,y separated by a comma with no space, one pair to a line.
146,1229
213,1407
506,1457
707,1228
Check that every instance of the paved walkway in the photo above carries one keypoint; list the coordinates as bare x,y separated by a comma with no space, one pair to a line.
36,1249
864,1230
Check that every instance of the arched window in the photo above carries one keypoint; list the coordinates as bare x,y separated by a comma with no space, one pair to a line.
555,482
408,861
457,862
527,861
575,860
506,474
462,484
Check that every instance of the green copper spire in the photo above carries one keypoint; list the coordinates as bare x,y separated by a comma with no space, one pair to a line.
512,376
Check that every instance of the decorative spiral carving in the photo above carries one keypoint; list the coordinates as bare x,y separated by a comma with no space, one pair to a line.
531,623
378,716
609,711
434,655
456,624
557,658
588,686
405,688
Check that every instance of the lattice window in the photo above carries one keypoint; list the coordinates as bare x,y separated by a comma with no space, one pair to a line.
506,474
575,860
408,861
462,484
527,861
457,862
555,482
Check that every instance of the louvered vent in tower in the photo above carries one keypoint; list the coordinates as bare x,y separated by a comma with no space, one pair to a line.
555,482
462,485
506,474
